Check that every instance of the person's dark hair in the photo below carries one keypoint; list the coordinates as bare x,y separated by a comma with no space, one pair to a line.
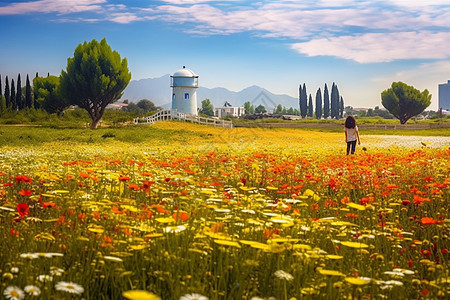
350,122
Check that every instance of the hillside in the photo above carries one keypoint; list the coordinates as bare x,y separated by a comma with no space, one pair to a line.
158,91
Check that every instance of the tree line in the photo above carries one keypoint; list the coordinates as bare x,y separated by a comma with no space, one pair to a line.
95,77
332,106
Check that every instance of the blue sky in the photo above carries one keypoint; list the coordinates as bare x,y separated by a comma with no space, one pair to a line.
362,46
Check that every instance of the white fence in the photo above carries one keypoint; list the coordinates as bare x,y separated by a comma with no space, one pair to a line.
165,115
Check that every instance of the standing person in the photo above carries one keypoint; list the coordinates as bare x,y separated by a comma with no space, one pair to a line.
351,134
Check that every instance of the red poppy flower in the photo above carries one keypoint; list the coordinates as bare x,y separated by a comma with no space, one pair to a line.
23,178
23,209
25,193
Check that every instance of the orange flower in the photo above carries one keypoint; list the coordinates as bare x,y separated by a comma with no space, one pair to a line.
182,215
25,193
48,204
217,227
345,200
116,210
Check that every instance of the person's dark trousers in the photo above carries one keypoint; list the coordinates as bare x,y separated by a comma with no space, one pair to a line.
351,145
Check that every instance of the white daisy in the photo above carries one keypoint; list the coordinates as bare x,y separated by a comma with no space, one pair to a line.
69,287
193,297
44,278
56,271
14,270
32,290
112,258
13,293
29,255
284,275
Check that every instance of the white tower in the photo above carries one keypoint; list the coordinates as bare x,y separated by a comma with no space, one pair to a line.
184,84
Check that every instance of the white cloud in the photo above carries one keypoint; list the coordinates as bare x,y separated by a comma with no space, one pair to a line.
124,18
51,6
380,47
425,76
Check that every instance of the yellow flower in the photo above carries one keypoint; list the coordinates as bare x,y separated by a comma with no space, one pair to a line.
140,295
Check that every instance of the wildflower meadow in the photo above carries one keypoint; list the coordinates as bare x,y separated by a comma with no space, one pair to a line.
224,214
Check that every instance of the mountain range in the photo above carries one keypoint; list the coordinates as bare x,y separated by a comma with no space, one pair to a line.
158,91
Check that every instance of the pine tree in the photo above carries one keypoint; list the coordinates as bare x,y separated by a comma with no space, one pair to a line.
13,95
341,108
318,104
303,102
326,103
7,93
19,99
310,107
28,98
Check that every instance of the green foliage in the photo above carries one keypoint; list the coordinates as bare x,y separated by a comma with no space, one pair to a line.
19,98
404,101
249,108
207,108
95,77
48,95
143,107
260,109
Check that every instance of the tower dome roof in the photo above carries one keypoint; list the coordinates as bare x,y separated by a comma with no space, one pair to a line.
184,73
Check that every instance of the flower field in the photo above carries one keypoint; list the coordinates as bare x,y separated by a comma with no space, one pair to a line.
215,217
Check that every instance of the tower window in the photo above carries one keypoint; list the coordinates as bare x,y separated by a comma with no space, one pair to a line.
186,96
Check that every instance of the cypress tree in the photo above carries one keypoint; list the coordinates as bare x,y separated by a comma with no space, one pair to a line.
7,93
28,98
326,103
303,102
334,102
13,95
341,108
310,107
19,99
35,93
2,99
300,97
318,104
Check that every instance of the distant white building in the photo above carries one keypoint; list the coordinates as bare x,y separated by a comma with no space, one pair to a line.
444,96
229,111
184,84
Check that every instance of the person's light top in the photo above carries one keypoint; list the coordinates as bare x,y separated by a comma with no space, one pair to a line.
351,134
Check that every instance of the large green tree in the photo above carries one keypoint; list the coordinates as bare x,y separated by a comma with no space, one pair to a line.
48,94
207,108
95,77
404,101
